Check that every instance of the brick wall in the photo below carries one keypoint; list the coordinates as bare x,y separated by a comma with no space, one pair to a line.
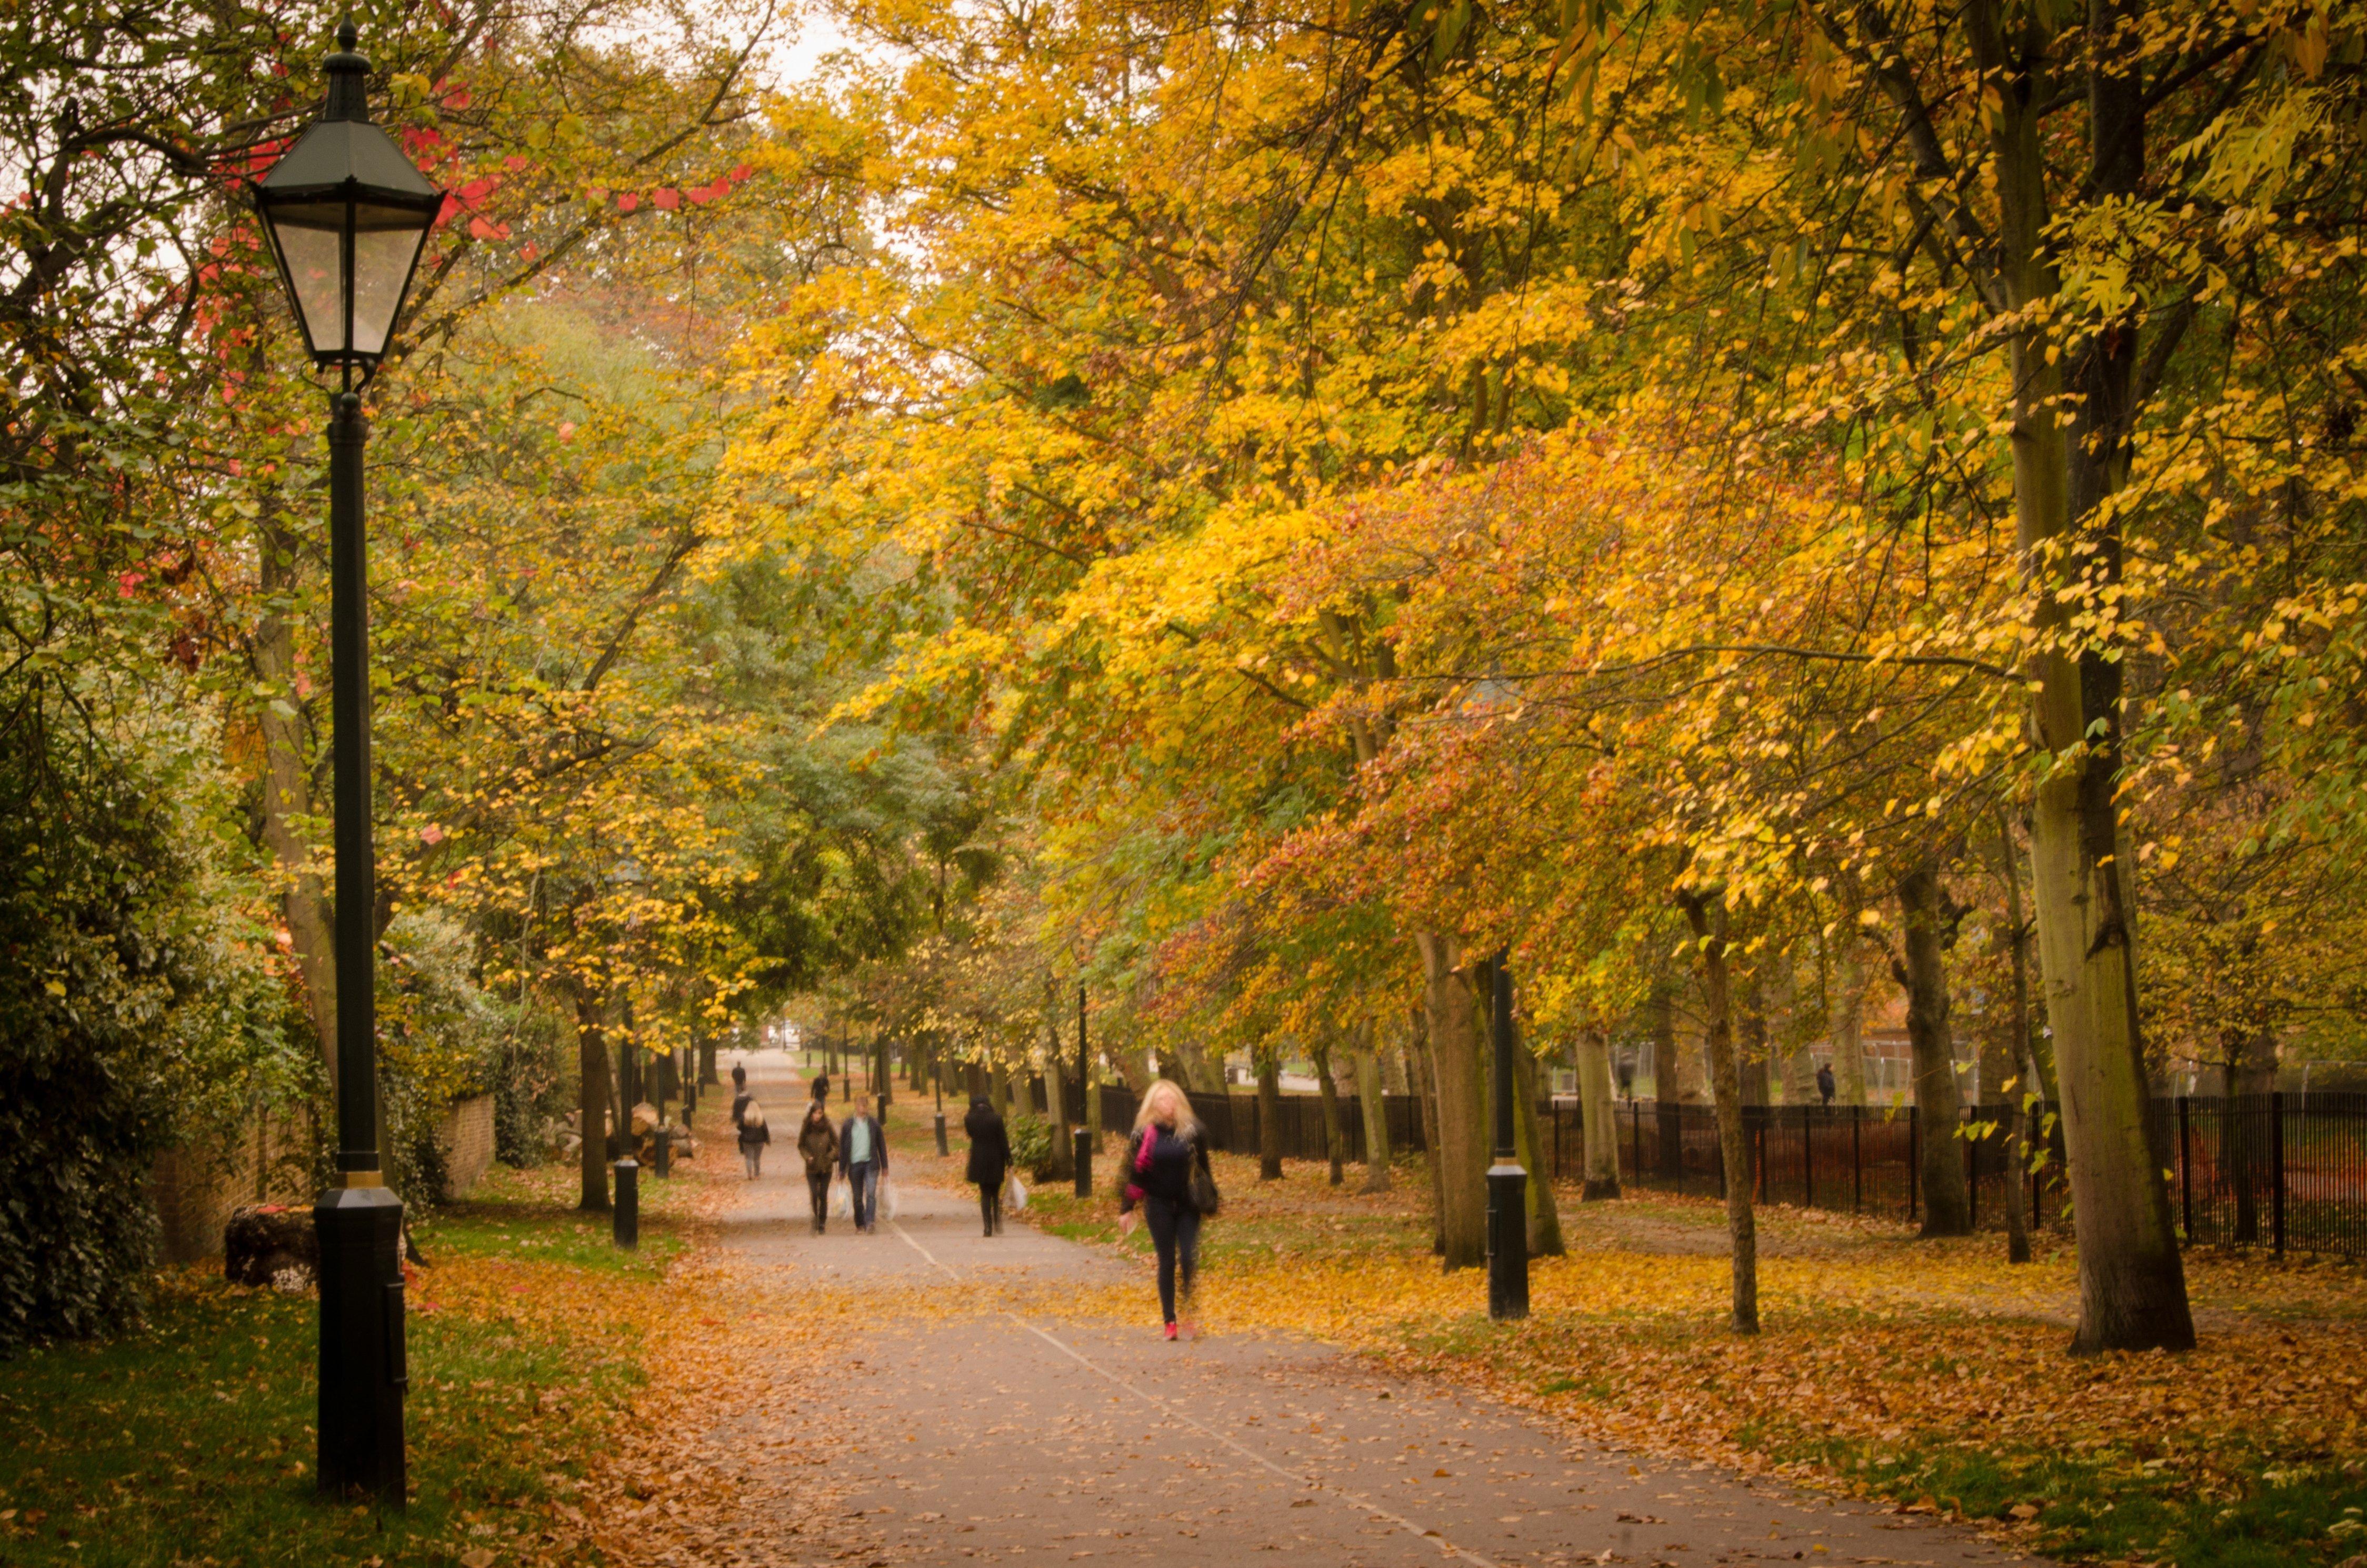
468,1134
195,1187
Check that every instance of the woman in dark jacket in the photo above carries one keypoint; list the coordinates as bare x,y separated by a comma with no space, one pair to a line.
1156,1176
990,1160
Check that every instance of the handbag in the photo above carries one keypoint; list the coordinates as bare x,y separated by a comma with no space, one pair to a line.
842,1200
887,1204
1203,1194
1015,1194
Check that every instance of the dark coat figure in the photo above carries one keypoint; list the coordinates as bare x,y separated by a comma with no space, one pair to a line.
821,1087
818,1141
1825,1082
990,1160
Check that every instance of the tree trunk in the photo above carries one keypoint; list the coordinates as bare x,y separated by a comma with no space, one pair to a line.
1333,1141
1269,1102
1375,1111
707,1078
1000,1082
1923,971
2019,1091
1544,1218
2251,1077
1395,1079
1463,1152
1425,1089
1600,1112
592,1101
2132,1280
1726,1086
286,795
1753,1051
1693,1072
1848,1020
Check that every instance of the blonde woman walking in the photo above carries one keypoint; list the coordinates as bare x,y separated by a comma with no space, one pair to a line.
753,1136
1165,1173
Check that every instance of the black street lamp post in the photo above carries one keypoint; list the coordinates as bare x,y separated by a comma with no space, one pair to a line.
346,216
1508,1219
937,1078
1084,1113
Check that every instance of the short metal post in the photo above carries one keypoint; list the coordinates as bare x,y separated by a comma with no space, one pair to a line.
626,1214
2277,1163
665,1150
2186,1168
1508,1219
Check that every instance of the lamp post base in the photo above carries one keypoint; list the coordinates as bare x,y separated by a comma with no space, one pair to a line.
941,1133
363,1368
1508,1242
1084,1162
627,1219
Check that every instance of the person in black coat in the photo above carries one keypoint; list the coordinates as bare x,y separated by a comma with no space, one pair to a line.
990,1160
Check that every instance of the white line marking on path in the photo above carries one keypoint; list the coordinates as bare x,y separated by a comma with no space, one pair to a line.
1310,1482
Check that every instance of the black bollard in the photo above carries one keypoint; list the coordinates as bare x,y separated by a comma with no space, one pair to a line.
1084,1162
941,1133
1507,1214
665,1151
627,1210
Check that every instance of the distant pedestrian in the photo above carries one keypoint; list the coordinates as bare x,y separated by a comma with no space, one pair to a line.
753,1136
1165,1154
990,1160
821,1087
863,1160
1825,1081
818,1141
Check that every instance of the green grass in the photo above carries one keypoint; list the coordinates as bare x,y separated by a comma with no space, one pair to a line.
191,1440
2117,1507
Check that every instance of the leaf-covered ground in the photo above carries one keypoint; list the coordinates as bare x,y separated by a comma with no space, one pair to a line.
1932,1374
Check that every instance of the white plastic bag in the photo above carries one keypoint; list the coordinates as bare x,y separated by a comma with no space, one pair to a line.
886,1203
1015,1194
842,1201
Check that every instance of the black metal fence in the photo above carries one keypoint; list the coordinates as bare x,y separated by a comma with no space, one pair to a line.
2279,1171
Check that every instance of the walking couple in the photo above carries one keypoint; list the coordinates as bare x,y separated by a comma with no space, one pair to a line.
858,1151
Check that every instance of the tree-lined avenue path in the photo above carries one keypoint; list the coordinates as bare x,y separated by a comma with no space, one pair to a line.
963,1424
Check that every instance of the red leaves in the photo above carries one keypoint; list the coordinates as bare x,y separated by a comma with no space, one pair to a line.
666,198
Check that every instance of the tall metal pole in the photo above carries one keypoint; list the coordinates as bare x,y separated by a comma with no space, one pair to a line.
937,1077
1084,1144
1508,1220
358,1222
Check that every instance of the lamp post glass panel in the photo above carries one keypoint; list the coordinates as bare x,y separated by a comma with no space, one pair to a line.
346,215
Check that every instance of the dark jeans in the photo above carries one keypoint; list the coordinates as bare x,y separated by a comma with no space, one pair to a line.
1175,1231
990,1207
818,1186
864,1181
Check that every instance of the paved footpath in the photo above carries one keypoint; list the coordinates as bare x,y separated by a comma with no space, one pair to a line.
1002,1437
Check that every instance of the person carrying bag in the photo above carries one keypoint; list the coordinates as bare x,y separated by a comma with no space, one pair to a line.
990,1160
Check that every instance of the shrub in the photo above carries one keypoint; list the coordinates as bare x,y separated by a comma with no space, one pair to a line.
1031,1143
136,1008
